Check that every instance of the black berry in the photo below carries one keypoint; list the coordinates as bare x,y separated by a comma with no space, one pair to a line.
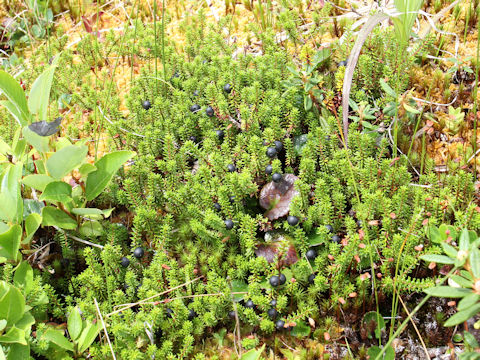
138,252
231,314
169,313
268,169
280,325
282,278
231,168
217,206
274,281
125,262
311,278
336,239
271,152
272,313
292,220
146,105
209,111
227,88
249,304
194,108
232,199
220,134
194,139
329,228
192,314
273,302
342,63
277,177
311,254
278,146
229,224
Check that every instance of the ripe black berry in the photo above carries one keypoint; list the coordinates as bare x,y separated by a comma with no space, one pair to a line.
192,314
311,254
280,325
169,313
273,302
342,63
146,105
292,220
194,139
271,152
232,199
220,134
217,206
209,111
272,313
311,278
277,177
278,146
231,314
249,304
274,281
282,278
268,169
229,224
125,262
138,252
194,108
231,168
329,228
336,239
227,88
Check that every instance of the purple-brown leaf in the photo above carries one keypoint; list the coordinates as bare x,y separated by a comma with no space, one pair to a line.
276,197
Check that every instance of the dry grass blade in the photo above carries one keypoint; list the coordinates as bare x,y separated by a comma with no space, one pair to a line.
104,329
352,62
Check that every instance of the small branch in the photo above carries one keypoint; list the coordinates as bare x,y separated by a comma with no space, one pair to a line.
78,239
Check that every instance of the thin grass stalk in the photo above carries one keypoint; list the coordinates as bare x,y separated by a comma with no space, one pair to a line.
475,101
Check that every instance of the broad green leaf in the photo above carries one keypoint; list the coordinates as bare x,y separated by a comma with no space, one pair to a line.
23,277
239,286
12,304
13,335
11,204
464,242
32,223
460,280
3,324
301,329
15,94
10,243
375,322
441,259
65,160
448,292
475,263
3,227
31,206
411,109
463,315
37,181
434,234
388,90
4,148
449,250
470,340
87,212
2,354
86,169
91,229
253,354
54,217
25,323
468,301
107,166
57,191
40,143
89,333
56,337
19,352
74,324
374,353
39,96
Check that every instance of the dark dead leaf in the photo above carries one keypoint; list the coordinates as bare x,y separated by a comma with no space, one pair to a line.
276,198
